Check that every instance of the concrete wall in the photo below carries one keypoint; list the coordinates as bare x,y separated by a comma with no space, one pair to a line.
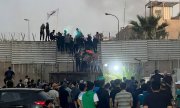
153,54
34,71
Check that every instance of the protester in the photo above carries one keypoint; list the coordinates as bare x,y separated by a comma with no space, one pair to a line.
26,81
89,98
71,45
38,84
156,77
32,84
165,91
52,36
95,43
9,84
74,93
123,99
20,84
142,96
47,32
89,43
82,88
107,87
156,99
168,81
55,95
61,42
116,89
103,95
9,75
77,57
64,96
67,42
42,32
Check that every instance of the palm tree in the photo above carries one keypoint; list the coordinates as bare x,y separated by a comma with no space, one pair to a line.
148,28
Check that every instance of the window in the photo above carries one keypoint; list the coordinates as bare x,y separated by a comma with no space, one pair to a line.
9,96
158,13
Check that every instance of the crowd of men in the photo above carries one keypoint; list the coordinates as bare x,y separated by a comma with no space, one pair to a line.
66,42
79,46
125,93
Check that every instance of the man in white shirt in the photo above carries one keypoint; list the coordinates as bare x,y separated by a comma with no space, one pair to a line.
54,94
26,81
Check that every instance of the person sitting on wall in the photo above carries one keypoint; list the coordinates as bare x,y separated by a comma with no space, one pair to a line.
52,37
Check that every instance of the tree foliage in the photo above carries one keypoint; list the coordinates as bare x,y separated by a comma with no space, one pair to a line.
148,28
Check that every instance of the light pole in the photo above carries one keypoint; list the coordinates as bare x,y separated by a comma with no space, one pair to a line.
117,20
28,29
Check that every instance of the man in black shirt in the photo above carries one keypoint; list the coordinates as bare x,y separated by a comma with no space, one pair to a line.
103,96
42,32
77,57
52,37
47,32
95,42
165,91
157,99
114,91
9,74
20,84
63,96
157,77
58,41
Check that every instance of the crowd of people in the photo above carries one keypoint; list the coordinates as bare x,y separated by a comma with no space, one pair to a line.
66,42
119,93
83,49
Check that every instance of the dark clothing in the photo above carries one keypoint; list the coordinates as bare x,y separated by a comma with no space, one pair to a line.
168,80
74,96
135,97
33,85
157,77
42,32
75,91
114,92
63,97
61,40
89,44
9,74
71,47
47,32
103,97
157,100
77,57
95,42
52,37
81,42
167,93
20,85
58,43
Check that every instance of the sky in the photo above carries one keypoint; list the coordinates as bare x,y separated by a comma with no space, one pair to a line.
88,15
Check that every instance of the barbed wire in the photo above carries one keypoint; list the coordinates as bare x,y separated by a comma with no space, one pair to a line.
16,36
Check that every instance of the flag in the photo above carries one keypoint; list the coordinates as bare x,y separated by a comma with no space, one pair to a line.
52,13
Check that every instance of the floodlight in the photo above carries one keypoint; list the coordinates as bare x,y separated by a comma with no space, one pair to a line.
116,67
105,65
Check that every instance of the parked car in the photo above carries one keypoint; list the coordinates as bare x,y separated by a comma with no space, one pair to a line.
24,98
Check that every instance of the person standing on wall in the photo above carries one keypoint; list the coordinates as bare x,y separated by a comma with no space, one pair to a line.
47,32
9,75
42,32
